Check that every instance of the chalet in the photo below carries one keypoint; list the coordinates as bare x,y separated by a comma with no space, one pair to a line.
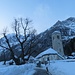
49,54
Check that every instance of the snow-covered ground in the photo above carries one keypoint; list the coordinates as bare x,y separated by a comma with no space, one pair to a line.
27,69
56,67
62,67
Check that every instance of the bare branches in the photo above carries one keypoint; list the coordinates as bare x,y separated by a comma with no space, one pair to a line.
4,47
17,30
21,27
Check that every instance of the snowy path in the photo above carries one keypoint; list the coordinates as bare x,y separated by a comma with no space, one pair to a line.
40,71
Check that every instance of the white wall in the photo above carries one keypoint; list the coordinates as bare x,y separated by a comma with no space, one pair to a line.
57,43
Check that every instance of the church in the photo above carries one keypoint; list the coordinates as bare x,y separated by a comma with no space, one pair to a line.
57,42
54,53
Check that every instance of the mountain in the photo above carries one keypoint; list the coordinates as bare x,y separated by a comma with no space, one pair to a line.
66,27
13,41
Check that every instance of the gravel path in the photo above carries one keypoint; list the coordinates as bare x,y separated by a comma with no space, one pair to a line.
40,71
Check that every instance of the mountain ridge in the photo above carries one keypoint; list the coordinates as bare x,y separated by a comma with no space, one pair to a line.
67,29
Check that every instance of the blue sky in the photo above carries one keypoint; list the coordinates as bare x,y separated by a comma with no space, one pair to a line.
44,13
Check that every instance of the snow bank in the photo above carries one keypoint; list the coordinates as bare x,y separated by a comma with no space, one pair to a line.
64,67
27,69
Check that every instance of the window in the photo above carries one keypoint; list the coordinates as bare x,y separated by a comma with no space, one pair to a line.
58,37
48,58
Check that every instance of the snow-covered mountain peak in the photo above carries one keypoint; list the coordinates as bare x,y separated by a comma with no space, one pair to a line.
72,19
68,23
58,23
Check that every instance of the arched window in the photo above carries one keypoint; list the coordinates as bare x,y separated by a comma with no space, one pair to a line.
58,37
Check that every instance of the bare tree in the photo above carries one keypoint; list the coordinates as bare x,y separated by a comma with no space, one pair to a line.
9,48
21,27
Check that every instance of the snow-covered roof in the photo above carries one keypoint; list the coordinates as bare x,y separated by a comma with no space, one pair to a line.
56,32
48,51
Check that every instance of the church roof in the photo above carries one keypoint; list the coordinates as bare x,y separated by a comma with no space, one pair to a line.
46,52
56,32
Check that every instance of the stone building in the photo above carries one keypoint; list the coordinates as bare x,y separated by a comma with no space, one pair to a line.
49,54
57,42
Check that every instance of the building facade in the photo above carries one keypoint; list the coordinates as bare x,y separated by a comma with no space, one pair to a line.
48,55
57,42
